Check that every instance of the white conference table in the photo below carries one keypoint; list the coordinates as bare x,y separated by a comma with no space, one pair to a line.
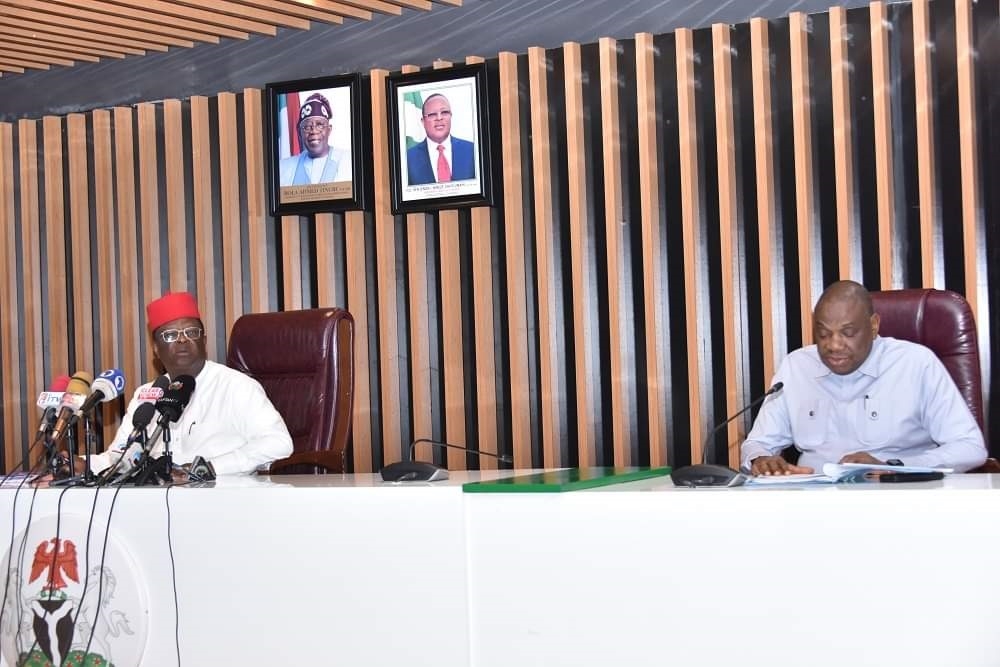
348,570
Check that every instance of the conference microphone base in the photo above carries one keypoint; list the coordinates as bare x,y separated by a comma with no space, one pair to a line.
413,471
706,474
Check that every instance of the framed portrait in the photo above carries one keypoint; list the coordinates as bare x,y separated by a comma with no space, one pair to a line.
315,149
440,143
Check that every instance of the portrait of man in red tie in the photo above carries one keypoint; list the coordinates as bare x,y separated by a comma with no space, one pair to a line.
440,157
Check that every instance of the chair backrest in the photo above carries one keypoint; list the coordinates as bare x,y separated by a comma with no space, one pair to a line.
305,361
942,321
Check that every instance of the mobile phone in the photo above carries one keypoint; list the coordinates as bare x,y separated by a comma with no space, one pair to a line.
897,477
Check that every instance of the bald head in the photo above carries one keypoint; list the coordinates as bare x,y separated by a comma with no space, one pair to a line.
847,290
844,326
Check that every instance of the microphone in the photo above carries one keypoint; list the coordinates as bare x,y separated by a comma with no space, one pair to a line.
49,401
73,399
176,396
420,471
706,474
107,386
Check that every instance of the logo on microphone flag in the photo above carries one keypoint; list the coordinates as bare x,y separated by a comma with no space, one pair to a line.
150,394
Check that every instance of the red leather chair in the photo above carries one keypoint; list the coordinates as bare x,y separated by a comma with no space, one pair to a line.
305,361
942,321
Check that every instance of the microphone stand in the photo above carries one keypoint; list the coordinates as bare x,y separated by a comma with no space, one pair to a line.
420,471
160,467
707,474
87,477
61,470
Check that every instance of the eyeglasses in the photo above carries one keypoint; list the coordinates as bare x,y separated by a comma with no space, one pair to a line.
434,115
174,335
314,126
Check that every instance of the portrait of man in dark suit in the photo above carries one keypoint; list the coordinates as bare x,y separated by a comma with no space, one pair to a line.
441,157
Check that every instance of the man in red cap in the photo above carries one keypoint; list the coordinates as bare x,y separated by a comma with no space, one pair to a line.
319,162
229,420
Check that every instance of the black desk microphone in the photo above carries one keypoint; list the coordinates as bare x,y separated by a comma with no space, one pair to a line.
707,474
421,471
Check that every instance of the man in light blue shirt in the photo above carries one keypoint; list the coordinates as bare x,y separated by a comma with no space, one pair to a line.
855,397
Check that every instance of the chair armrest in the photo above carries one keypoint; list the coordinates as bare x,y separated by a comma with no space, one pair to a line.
328,460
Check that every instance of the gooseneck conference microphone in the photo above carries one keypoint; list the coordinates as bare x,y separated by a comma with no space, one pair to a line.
707,474
421,471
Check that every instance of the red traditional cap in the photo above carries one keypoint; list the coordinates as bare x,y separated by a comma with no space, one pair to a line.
170,307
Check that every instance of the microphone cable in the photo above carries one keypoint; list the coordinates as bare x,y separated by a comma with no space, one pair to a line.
173,579
100,568
13,521
52,569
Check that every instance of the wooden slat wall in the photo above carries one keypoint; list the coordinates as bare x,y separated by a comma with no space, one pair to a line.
669,216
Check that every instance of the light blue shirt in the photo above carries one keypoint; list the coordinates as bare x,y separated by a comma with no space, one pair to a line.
900,404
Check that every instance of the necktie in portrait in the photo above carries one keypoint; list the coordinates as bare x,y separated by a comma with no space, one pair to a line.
443,170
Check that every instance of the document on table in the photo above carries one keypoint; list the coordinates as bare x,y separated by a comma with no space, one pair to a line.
839,473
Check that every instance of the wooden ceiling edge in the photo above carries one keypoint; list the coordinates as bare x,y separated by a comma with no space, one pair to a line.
103,22
380,6
334,13
161,17
170,8
20,47
235,9
100,48
5,53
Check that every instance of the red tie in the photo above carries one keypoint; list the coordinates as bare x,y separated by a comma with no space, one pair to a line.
444,171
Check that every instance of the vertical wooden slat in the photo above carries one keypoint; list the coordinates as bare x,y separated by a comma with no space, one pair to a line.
690,222
108,310
56,299
79,215
291,259
257,216
206,272
926,158
843,154
517,288
884,168
730,278
326,261
10,345
149,205
614,229
482,294
541,159
229,195
357,303
584,328
968,146
32,351
133,324
810,284
767,231
385,251
973,231
173,167
420,314
453,362
651,207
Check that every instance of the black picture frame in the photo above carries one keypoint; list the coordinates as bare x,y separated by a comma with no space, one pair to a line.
342,184
413,180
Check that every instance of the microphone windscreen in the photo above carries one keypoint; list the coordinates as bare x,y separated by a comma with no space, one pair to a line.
111,383
80,383
176,397
142,416
59,383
